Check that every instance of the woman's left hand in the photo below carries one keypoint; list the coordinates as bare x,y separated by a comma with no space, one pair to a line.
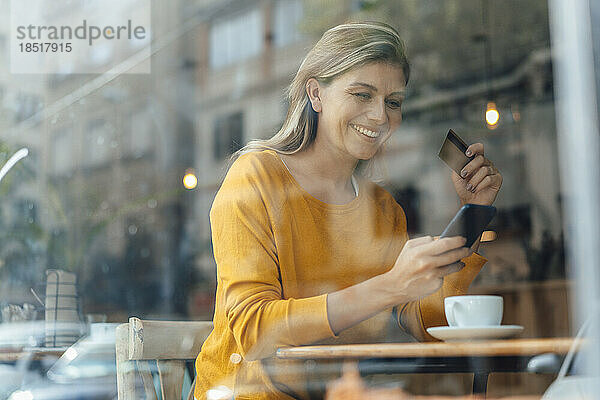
480,180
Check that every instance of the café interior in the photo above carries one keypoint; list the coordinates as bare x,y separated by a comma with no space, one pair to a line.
112,162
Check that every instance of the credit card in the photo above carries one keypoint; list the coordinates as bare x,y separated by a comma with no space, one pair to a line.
453,152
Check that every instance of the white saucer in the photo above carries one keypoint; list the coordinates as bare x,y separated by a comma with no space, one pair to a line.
458,334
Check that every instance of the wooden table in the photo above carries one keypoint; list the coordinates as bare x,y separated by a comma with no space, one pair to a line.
480,357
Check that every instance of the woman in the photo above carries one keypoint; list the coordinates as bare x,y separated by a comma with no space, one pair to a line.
307,249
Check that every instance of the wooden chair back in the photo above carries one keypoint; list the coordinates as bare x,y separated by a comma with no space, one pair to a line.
141,345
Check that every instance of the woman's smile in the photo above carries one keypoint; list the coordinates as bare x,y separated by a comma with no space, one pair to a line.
369,133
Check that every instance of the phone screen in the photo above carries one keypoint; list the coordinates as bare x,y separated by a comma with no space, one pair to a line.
470,222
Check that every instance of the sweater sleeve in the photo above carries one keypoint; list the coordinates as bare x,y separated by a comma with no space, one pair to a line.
416,316
260,319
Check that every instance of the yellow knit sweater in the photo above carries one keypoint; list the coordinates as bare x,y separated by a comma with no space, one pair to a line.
279,251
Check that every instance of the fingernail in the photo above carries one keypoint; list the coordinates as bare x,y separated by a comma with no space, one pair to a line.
468,153
473,189
469,186
464,173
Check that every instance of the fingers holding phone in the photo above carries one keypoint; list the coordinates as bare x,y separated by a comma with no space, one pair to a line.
422,264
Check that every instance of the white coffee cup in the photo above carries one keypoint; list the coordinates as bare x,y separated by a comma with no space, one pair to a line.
480,310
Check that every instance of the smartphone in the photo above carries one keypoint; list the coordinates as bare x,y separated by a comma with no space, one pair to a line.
453,152
470,222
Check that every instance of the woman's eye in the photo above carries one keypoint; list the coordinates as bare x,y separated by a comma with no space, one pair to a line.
365,96
394,104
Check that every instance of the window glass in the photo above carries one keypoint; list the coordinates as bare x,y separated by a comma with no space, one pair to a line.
62,154
228,135
236,38
142,137
117,168
286,19
97,143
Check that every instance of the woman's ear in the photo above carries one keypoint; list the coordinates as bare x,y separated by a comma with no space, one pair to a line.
313,90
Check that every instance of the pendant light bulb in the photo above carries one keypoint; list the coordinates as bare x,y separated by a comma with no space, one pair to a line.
492,116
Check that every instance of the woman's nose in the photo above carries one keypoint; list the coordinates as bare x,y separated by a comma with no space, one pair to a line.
377,112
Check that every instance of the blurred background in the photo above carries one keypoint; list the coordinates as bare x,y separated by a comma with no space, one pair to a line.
122,169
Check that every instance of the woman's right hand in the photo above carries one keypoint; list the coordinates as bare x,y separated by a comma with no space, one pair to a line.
418,272
422,264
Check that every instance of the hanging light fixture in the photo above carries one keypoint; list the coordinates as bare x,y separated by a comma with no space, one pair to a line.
492,115
190,181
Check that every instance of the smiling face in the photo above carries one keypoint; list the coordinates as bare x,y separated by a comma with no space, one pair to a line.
359,110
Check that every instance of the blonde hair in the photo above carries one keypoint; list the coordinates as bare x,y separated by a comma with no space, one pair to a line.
340,49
